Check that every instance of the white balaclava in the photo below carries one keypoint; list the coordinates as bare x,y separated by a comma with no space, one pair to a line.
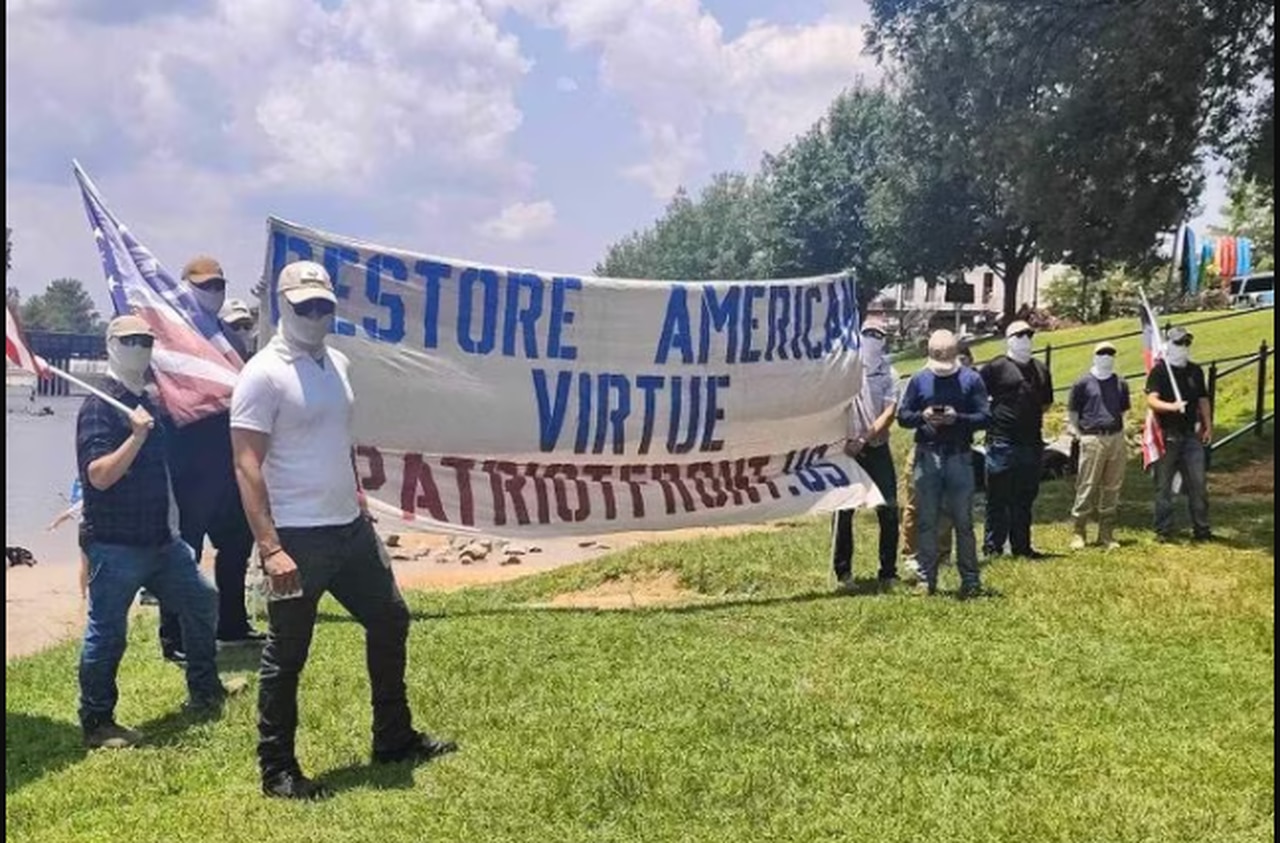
1020,349
128,364
872,352
1104,366
1177,355
210,301
302,332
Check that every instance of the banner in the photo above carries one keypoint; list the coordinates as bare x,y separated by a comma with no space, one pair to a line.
516,403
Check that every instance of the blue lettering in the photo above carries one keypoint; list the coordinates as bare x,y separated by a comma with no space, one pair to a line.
675,445
393,302
610,416
333,259
719,315
551,415
811,295
489,314
779,316
584,413
432,274
754,292
676,330
715,413
526,316
649,385
560,316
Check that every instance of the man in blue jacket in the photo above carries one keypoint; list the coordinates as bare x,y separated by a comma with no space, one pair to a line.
945,404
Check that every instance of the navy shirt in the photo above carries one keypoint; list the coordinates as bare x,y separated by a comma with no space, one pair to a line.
1019,393
1192,386
134,511
1101,404
964,391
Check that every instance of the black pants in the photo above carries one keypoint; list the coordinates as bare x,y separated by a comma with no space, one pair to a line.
213,509
345,562
1013,483
877,461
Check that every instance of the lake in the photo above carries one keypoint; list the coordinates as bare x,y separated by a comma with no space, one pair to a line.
39,465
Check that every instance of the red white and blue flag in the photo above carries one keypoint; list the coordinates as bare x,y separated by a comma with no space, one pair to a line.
16,348
1152,352
194,364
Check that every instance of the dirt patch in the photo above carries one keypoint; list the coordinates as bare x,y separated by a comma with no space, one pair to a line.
628,593
1256,478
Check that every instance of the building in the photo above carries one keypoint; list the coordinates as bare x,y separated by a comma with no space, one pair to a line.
920,306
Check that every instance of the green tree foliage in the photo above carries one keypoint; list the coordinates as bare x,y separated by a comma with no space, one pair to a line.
1251,212
8,249
1069,128
63,306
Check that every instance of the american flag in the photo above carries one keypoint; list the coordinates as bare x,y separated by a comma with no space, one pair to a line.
16,348
194,364
1152,350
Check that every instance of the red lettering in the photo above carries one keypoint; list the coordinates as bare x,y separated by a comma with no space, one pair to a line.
757,465
599,474
668,477
635,487
709,501
418,489
377,477
512,485
466,499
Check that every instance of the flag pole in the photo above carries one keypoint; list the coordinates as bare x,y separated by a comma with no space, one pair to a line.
93,390
1155,328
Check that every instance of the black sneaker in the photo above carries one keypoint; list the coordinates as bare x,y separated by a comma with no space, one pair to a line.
249,638
1203,536
1032,555
291,784
420,749
111,735
177,657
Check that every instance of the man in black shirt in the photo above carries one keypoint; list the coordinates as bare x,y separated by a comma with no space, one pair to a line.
1021,389
127,537
1178,413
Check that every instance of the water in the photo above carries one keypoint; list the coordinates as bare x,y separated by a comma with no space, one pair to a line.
40,465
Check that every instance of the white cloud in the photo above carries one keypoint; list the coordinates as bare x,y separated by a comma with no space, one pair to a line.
566,84
520,221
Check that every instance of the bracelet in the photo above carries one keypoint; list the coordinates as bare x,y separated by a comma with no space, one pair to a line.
272,552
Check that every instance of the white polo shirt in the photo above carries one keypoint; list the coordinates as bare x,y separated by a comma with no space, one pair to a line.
305,406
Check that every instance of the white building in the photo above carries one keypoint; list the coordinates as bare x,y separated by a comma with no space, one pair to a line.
929,300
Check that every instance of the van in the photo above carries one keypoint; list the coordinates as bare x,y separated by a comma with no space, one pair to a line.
1257,290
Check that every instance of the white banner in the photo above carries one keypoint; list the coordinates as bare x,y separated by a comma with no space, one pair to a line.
516,403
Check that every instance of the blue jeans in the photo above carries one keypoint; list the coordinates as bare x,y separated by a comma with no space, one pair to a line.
943,481
116,572
1013,483
1182,453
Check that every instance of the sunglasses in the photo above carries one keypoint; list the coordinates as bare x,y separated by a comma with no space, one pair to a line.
242,325
1106,353
1182,343
138,341
313,309
213,285
1027,334
873,334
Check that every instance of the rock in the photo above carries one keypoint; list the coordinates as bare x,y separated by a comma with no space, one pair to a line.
401,556
603,546
511,559
476,551
535,549
586,543
393,540
516,550
422,554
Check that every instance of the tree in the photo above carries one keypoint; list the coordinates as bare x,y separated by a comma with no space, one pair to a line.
63,306
13,298
1066,129
8,249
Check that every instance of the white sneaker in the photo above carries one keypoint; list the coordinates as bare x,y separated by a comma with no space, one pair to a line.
1077,542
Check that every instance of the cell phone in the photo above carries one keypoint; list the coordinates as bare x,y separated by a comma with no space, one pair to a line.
939,408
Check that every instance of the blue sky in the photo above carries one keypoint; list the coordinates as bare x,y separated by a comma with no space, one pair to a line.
520,132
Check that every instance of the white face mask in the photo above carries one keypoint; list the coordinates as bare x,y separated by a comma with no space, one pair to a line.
304,333
210,301
128,364
1104,366
1177,355
1020,349
872,351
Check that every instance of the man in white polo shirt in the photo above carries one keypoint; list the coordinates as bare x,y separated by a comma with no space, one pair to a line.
290,429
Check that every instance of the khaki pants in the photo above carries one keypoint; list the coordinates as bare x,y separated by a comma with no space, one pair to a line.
1102,461
909,543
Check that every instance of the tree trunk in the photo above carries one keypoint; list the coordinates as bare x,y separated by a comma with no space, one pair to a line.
1013,264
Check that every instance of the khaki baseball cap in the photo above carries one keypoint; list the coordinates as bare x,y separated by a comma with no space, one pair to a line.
305,280
234,310
1017,327
201,269
1104,347
128,326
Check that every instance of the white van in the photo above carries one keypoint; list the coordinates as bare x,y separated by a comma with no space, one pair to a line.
1257,290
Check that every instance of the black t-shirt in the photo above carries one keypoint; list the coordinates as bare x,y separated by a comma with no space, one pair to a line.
1019,393
1192,386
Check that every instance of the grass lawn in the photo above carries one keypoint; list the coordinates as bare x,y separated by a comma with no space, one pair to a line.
1121,697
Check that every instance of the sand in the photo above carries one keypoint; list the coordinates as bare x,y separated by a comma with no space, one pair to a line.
43,605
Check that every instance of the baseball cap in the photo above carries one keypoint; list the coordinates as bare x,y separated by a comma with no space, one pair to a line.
305,280
128,326
201,269
1179,334
1017,327
943,343
875,323
1104,347
234,310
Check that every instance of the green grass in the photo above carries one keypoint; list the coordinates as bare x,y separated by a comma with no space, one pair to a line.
1123,697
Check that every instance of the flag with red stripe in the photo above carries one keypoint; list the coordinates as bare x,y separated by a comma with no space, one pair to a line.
1152,351
16,348
194,364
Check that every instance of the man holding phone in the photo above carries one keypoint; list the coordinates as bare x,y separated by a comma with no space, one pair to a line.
945,404
291,418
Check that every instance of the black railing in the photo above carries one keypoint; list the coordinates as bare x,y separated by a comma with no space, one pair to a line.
1260,414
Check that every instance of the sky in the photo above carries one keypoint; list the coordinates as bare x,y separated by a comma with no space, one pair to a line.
517,132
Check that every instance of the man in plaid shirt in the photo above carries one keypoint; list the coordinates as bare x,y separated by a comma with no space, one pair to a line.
129,541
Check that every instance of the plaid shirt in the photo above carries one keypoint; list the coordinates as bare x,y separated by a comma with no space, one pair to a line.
135,510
